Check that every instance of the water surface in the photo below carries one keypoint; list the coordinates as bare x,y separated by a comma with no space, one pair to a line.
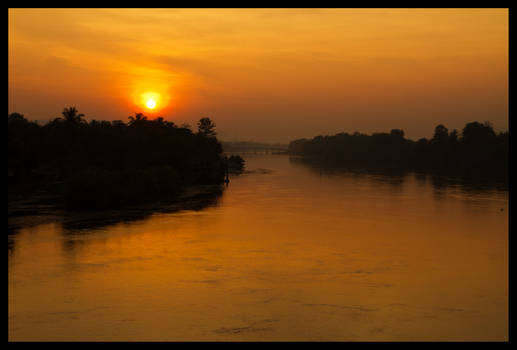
288,252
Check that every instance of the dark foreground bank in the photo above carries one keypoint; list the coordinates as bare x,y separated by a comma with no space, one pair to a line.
111,164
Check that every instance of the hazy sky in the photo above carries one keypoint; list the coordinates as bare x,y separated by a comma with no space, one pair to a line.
265,74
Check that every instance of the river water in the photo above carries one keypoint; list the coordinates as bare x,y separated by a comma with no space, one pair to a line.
288,252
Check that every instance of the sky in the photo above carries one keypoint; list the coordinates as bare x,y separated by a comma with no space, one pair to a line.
271,75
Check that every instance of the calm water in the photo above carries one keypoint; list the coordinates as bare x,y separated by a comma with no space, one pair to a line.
292,253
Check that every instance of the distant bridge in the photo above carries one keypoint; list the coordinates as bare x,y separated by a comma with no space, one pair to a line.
233,147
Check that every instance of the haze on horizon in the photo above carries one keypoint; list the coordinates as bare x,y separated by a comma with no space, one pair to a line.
270,75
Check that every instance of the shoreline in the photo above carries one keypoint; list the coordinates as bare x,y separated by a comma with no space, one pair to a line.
42,208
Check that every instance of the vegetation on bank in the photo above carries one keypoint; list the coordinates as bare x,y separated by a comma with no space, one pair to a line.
477,152
235,164
104,164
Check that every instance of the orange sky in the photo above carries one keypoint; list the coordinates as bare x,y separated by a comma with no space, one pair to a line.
265,74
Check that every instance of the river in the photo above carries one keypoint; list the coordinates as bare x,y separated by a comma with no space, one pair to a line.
288,252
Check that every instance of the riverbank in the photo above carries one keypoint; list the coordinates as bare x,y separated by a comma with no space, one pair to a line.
45,207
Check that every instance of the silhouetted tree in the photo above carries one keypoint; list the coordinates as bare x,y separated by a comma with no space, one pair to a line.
478,133
137,120
72,116
441,134
235,164
206,127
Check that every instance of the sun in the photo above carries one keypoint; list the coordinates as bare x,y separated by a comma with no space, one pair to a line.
151,103
151,100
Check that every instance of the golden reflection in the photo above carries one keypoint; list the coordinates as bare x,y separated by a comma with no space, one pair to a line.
369,264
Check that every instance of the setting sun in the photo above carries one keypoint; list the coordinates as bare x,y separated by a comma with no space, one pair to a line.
151,104
151,100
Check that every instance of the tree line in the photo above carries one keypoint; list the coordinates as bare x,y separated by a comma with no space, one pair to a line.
477,152
104,164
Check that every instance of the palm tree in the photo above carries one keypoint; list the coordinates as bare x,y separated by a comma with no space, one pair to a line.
71,115
138,119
